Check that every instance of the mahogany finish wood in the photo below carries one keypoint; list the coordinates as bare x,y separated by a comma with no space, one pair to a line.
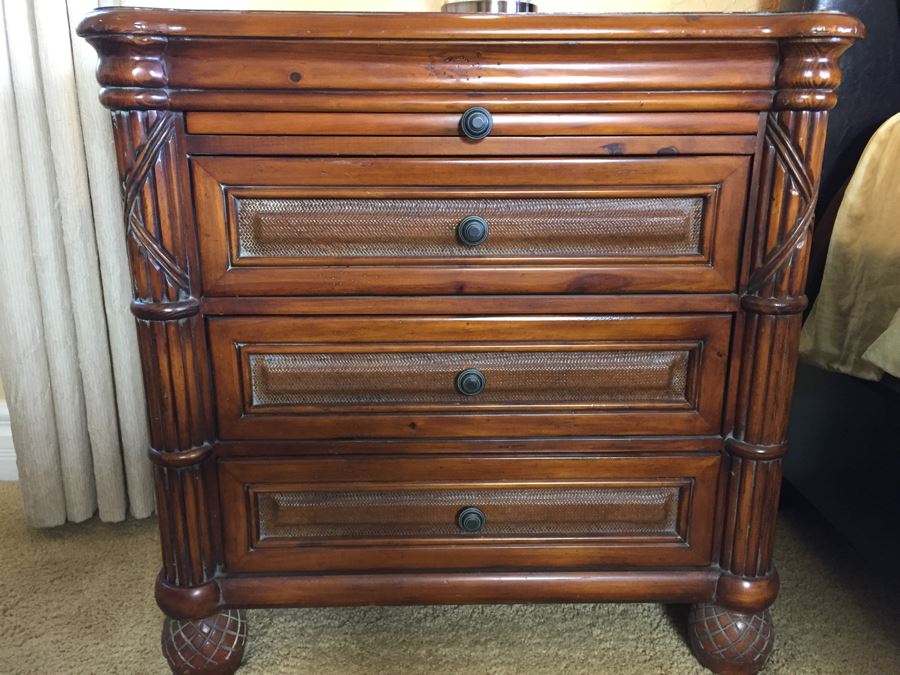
338,100
451,146
719,181
495,305
568,446
311,444
431,588
176,24
693,477
420,124
430,407
211,645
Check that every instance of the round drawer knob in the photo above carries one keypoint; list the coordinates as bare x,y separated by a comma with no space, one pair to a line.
470,382
472,230
476,123
471,519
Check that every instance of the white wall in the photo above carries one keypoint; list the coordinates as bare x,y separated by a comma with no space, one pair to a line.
7,454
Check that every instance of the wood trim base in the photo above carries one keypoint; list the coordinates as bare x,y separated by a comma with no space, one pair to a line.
337,590
676,585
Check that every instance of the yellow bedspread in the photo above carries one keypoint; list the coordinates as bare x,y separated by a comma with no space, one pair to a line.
854,326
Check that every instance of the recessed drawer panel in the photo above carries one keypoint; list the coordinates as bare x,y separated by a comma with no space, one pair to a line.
468,377
307,377
392,512
429,228
370,511
292,226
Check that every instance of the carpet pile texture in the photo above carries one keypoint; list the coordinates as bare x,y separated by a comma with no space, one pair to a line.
78,599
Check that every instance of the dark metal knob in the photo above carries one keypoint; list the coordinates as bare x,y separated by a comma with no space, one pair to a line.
470,519
470,382
472,230
476,123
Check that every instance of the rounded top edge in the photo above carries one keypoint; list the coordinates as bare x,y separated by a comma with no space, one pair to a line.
175,23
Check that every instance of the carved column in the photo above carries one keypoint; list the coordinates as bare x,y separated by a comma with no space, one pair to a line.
735,634
162,248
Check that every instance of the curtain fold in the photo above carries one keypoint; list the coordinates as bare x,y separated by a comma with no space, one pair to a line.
68,348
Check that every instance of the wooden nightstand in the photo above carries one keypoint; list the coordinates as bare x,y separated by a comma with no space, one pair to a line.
452,309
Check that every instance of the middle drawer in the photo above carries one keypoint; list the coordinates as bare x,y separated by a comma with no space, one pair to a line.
468,377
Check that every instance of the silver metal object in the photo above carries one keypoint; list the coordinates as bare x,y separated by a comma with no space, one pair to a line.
489,7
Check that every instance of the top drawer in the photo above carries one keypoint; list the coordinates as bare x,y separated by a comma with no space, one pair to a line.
432,125
316,226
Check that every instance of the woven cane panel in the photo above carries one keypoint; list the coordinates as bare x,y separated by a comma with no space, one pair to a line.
510,512
395,379
416,228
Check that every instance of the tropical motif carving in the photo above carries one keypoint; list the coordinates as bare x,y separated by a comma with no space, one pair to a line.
146,158
155,208
210,645
727,641
791,159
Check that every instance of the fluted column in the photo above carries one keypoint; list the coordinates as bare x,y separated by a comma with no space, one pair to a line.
735,633
198,635
773,299
163,255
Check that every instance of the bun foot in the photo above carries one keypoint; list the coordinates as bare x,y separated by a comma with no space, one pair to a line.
213,646
729,642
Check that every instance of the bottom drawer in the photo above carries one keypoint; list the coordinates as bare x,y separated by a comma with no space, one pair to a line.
427,513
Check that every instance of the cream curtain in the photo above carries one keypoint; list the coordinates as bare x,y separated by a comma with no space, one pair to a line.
68,347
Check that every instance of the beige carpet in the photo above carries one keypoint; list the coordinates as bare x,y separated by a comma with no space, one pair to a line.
79,599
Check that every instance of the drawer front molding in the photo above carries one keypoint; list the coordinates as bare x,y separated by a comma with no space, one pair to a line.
320,225
283,378
333,515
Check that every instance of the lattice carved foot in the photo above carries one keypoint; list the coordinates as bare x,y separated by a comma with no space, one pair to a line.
729,642
213,646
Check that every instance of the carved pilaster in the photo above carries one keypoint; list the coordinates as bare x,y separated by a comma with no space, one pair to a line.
163,255
772,306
